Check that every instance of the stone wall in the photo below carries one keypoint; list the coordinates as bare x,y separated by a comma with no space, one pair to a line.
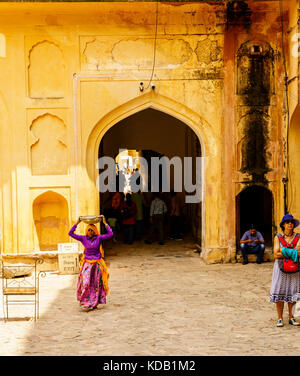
73,72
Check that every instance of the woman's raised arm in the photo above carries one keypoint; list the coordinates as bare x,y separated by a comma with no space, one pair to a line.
109,233
72,232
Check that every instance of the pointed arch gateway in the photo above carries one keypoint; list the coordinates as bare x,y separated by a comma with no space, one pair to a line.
155,103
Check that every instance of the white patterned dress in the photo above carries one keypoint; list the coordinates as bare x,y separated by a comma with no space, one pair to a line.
285,287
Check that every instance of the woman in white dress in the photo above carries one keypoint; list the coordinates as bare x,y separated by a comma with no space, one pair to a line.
285,286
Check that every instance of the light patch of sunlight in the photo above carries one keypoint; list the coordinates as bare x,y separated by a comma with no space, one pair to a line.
15,332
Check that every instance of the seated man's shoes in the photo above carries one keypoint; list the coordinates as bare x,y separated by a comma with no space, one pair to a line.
292,321
245,262
279,323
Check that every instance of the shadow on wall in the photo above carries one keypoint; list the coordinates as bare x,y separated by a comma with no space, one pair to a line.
51,220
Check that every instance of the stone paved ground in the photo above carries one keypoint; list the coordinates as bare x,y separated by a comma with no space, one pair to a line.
163,301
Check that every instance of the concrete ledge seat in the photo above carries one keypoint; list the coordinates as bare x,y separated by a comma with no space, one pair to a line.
268,256
50,258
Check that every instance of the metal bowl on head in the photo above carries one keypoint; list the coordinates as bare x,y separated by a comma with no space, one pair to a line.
90,219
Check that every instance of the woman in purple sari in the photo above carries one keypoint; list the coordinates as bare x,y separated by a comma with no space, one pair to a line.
92,285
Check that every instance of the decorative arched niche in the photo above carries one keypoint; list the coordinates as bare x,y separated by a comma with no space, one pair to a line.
255,73
46,71
48,149
51,220
253,144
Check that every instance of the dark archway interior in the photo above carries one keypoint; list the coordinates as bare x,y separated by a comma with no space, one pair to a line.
154,133
254,205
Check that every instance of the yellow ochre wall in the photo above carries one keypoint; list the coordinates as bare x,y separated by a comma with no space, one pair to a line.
70,71
293,37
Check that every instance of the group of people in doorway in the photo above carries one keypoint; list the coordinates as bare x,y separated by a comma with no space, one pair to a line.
285,286
92,285
132,216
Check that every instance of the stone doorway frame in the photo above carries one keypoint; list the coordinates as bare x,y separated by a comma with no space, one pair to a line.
238,212
157,102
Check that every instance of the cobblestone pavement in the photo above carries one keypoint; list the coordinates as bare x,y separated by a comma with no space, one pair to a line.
163,301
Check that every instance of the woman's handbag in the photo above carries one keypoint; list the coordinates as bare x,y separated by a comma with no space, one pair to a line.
288,265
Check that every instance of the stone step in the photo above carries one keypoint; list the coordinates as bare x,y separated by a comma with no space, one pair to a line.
268,256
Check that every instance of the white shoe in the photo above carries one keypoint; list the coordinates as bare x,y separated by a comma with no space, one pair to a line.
292,321
279,323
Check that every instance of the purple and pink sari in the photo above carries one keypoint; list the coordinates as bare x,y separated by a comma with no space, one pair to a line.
92,284
90,288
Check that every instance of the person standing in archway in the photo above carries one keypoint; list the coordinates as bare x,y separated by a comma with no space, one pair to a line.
92,285
285,286
176,216
139,200
158,210
128,212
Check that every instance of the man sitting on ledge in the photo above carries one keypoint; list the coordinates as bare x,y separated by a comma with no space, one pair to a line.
252,242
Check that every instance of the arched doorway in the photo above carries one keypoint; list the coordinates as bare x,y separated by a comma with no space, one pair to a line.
254,205
152,132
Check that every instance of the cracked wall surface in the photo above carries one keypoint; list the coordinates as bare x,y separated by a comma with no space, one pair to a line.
172,52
